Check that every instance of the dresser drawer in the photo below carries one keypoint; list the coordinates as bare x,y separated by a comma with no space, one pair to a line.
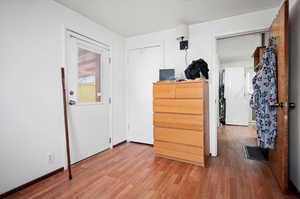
181,121
182,152
164,91
190,106
180,136
189,91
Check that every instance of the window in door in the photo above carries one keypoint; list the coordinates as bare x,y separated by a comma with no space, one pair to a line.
89,77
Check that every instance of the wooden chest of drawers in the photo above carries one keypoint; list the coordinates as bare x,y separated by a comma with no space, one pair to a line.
180,121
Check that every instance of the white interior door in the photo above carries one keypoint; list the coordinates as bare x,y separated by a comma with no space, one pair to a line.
143,70
88,89
237,101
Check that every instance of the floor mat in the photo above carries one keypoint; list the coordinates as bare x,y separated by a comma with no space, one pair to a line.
253,153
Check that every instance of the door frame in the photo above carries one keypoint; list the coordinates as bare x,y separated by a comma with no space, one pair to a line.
83,36
161,45
214,107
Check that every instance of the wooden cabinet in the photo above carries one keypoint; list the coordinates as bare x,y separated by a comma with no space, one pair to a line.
180,121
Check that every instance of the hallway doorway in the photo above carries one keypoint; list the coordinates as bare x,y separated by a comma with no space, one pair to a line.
236,71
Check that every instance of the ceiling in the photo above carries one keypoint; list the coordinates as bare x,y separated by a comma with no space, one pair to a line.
238,48
134,17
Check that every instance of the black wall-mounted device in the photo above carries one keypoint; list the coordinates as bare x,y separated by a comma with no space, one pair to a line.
184,45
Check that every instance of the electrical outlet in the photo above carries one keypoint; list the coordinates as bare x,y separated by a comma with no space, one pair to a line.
51,158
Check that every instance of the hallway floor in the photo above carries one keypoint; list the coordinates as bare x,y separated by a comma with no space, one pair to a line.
132,171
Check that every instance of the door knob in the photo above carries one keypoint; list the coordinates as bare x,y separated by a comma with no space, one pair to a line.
72,102
290,105
277,105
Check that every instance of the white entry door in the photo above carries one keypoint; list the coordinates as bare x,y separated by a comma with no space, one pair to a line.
143,70
88,97
236,95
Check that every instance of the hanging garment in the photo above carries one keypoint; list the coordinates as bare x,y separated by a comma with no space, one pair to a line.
198,68
264,95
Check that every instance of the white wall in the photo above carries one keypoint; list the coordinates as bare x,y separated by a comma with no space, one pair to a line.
241,63
294,134
202,45
31,54
238,48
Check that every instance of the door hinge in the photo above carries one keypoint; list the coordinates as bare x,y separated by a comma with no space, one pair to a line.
109,100
109,140
109,60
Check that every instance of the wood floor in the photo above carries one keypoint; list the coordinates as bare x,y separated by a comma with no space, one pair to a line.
132,171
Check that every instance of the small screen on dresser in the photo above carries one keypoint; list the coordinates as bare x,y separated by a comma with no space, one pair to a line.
166,74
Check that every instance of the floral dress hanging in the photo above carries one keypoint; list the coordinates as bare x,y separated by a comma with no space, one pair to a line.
264,95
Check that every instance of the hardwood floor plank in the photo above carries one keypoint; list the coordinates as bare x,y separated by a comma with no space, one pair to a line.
132,171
